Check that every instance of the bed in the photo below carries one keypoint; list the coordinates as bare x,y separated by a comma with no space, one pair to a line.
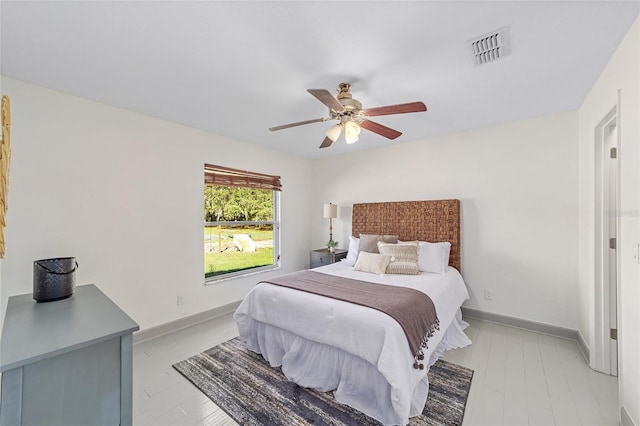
361,353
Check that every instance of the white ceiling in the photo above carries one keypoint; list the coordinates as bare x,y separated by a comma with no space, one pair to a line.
238,68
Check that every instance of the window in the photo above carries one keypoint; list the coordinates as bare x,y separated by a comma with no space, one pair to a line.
241,222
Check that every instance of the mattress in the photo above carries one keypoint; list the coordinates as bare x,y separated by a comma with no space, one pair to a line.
359,353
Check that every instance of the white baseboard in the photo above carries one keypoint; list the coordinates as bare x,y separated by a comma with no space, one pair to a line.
179,324
584,348
625,418
538,327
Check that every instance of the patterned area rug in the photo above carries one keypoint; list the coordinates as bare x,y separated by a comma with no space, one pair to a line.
253,393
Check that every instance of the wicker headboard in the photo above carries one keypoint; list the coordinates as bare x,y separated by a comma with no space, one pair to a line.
434,220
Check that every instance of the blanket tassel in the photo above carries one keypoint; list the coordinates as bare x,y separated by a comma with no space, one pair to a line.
419,356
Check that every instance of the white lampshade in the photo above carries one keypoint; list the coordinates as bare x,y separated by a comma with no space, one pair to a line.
351,131
330,211
334,132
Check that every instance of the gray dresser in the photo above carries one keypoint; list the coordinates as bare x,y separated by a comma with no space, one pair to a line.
67,362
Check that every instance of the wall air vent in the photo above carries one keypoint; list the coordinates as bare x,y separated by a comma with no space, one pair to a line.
489,47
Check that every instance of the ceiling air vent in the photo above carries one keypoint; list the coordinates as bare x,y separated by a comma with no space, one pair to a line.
489,47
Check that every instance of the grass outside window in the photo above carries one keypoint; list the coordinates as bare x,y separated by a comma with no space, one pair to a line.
222,256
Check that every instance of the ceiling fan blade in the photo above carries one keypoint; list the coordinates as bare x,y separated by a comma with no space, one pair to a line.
395,109
326,143
327,98
385,131
299,123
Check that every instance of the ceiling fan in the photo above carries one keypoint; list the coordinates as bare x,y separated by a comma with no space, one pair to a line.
351,117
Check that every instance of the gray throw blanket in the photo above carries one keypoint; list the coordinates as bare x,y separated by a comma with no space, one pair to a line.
412,309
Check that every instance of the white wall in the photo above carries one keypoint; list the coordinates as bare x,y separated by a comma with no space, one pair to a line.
518,189
122,192
622,72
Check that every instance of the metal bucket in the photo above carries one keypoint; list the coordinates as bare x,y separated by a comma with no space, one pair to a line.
54,279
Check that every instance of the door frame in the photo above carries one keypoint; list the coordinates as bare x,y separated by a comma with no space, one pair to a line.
604,354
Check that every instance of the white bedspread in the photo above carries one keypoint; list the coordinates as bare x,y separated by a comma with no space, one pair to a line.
359,352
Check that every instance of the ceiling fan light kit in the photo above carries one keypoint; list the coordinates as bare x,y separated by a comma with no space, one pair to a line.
352,117
351,132
334,132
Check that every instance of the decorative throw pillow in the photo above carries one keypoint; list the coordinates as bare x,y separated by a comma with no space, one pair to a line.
369,242
352,254
404,258
373,263
433,257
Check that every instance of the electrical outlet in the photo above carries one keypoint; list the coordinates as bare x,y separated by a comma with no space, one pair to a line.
488,294
180,300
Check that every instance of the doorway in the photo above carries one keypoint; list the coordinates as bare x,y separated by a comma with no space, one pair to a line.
606,244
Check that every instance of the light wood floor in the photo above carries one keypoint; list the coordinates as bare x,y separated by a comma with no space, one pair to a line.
521,378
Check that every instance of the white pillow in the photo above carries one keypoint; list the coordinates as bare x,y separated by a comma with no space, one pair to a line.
352,254
433,257
374,263
404,258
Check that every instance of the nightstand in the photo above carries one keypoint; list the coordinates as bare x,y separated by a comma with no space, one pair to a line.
322,257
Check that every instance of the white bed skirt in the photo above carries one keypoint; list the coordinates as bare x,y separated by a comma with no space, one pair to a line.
355,381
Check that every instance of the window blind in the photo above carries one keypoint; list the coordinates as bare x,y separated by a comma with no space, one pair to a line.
225,176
